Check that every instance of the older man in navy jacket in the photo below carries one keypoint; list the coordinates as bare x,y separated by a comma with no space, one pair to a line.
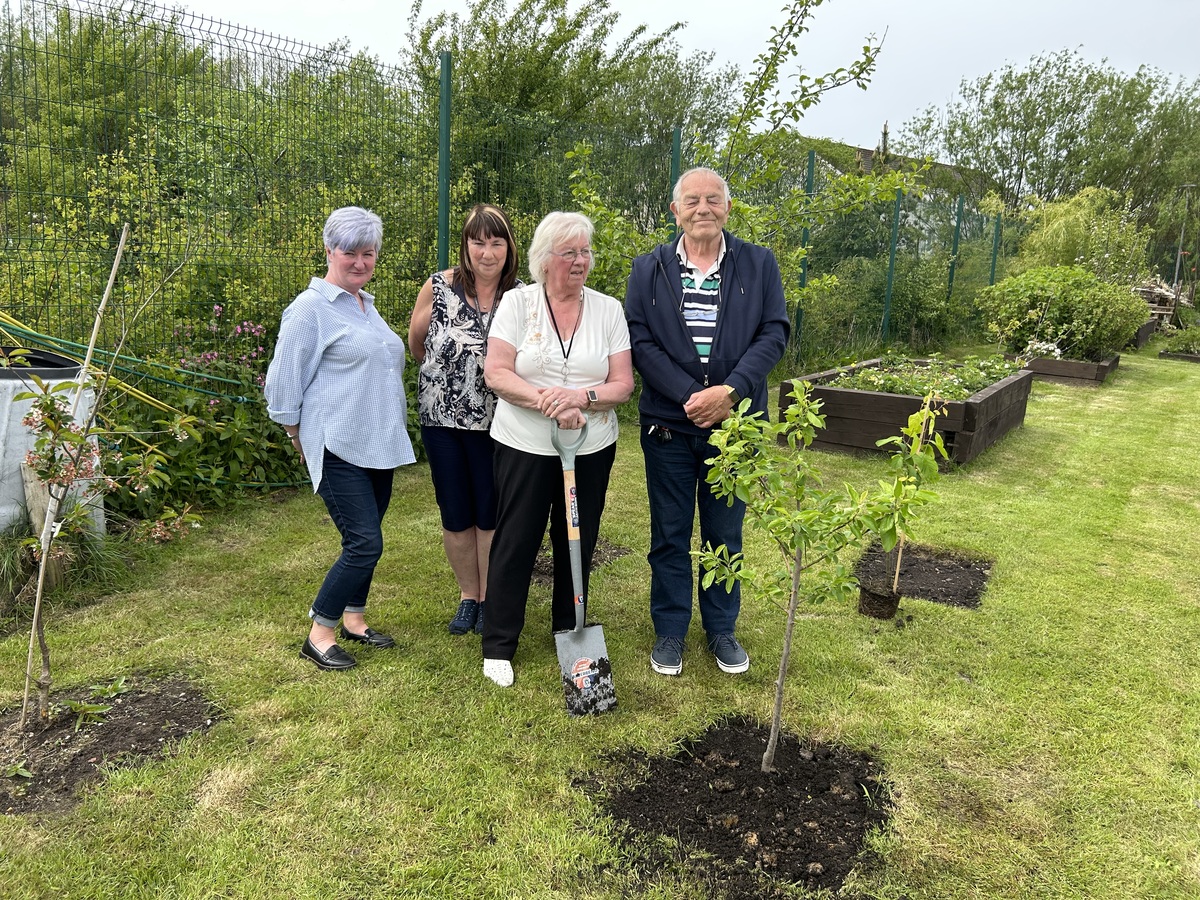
707,323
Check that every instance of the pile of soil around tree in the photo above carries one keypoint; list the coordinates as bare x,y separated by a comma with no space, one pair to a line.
543,567
750,834
927,574
145,722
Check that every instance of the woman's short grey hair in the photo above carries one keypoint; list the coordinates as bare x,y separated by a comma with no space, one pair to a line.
352,228
677,193
557,228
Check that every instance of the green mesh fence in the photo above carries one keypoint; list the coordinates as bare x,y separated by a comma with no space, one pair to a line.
224,148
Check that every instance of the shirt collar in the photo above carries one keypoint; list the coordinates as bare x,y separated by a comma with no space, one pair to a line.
682,254
331,291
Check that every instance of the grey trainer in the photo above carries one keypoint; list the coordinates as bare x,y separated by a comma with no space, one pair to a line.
667,656
730,656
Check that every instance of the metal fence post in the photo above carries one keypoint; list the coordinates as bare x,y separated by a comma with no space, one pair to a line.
887,297
676,165
995,249
954,246
809,178
443,226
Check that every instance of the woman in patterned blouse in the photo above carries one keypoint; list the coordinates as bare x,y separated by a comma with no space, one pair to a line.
448,335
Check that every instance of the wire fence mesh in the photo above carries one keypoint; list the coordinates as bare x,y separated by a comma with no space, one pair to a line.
226,148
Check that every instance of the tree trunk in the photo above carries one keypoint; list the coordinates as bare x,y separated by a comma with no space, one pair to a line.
768,761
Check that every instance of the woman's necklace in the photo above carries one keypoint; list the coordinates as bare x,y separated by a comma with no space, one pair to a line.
484,319
565,348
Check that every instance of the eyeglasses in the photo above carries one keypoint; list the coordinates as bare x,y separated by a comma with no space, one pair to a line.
572,255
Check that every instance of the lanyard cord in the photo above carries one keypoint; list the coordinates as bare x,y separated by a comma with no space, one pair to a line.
565,348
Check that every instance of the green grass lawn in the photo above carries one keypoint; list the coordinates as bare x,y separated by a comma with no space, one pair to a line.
1046,745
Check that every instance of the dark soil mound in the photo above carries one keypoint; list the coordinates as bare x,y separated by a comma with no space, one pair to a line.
750,831
144,722
927,574
543,566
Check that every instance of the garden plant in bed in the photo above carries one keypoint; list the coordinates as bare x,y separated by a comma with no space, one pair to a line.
978,401
1183,345
1064,323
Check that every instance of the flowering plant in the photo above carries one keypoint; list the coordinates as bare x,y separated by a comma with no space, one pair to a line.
1036,349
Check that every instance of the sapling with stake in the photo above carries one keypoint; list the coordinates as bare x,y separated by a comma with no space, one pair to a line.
808,523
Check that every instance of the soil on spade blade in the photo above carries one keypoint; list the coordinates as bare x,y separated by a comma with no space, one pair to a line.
144,722
744,833
927,574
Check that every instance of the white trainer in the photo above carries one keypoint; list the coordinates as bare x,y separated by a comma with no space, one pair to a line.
499,671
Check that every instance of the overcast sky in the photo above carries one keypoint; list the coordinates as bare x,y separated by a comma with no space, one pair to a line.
930,45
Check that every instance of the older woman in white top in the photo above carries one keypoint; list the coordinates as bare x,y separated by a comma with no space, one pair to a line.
557,350
336,385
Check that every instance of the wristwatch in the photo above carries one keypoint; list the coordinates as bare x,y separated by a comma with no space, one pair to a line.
734,397
592,398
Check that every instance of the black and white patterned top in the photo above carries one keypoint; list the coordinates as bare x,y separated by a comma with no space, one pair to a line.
450,388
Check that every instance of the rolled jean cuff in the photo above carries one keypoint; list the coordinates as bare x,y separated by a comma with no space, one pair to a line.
322,620
332,623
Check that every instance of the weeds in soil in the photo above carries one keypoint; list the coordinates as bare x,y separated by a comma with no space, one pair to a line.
87,712
1043,747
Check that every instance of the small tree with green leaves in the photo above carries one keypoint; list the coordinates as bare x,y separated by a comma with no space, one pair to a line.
808,523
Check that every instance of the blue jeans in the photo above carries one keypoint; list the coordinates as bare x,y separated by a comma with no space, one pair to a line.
356,499
676,486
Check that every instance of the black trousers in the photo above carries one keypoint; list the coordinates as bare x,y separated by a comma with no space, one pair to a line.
529,489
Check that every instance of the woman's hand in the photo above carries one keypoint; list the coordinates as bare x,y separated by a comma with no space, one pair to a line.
571,419
295,438
554,401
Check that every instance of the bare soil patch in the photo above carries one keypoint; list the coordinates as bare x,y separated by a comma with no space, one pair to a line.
745,833
145,722
543,566
928,574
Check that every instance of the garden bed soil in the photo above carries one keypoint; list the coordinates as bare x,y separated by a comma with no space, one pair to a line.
858,420
145,722
927,574
1183,357
745,833
1073,371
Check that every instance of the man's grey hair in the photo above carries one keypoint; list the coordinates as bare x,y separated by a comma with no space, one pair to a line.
353,228
677,193
557,228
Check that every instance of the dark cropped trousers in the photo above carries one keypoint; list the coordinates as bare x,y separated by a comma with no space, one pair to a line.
529,490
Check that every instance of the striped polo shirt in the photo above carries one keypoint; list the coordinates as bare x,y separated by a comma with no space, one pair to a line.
701,299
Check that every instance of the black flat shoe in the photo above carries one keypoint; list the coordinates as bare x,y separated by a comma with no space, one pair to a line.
370,637
333,658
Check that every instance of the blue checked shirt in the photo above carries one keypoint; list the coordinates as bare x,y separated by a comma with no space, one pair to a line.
339,373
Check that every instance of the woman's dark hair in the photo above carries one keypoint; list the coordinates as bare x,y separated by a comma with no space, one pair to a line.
486,221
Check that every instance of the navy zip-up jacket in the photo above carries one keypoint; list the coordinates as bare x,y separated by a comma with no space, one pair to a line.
751,332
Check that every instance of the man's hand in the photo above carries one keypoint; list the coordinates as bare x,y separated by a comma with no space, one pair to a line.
710,407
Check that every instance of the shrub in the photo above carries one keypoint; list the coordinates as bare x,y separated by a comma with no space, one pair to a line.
1095,230
1083,316
1185,341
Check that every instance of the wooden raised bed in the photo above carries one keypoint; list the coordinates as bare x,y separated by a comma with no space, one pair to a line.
857,420
1185,357
1143,335
1073,371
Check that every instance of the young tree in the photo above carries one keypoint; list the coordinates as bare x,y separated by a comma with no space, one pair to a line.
808,524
